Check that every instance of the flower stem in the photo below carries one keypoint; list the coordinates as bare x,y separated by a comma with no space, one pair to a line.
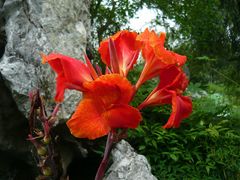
108,148
56,109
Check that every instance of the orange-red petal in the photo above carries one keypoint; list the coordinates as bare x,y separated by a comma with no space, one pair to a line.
151,69
71,73
126,50
60,87
123,116
111,89
90,67
173,78
153,45
156,56
87,121
181,109
157,97
150,41
181,105
169,57
104,106
151,38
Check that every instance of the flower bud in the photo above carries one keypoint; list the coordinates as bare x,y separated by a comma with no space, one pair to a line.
47,171
41,150
46,139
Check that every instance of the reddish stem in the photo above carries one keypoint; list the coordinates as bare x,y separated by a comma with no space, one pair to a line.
56,109
108,148
33,140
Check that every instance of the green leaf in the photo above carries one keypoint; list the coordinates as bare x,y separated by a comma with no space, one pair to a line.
174,157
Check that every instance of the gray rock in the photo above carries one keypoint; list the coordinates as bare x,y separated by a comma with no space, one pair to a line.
128,165
28,27
41,26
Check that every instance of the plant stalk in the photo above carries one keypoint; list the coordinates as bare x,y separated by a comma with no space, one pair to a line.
108,148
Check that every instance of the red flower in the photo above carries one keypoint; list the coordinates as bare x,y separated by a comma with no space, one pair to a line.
156,56
106,98
104,106
169,91
71,73
120,51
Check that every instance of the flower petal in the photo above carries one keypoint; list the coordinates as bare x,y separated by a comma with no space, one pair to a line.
181,109
152,38
168,76
127,50
60,87
157,97
90,67
169,57
153,45
123,116
71,73
156,56
87,121
150,70
150,41
173,78
181,105
111,89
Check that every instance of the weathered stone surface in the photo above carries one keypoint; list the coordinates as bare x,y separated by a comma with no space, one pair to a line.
41,26
28,27
128,165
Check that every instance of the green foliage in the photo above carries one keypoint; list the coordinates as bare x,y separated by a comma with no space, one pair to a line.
206,146
208,29
207,25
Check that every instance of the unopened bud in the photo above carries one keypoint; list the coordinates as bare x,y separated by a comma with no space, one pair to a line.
41,151
46,139
38,132
38,111
47,171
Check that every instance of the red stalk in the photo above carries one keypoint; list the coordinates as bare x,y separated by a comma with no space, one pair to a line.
108,148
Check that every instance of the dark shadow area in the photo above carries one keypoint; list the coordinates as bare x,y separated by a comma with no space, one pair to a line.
83,161
15,157
14,166
84,168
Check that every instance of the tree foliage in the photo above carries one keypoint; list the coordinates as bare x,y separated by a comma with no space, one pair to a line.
206,146
107,17
205,29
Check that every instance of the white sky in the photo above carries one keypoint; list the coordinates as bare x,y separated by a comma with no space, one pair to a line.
142,20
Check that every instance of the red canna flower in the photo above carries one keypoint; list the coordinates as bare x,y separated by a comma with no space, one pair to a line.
120,51
156,56
104,106
172,84
106,97
71,73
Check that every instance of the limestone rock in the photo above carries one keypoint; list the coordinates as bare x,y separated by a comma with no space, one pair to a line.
44,26
128,165
28,27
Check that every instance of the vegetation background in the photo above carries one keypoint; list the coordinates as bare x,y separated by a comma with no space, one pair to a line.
207,145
